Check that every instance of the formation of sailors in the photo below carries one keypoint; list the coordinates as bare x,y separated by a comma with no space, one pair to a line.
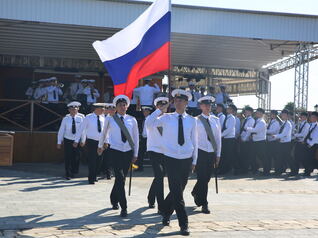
178,143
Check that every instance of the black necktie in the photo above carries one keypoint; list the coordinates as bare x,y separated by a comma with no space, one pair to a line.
244,123
192,96
210,127
54,94
309,133
282,127
92,94
269,124
180,131
99,128
224,124
73,126
123,137
302,127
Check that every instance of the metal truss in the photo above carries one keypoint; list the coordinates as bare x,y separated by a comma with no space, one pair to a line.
263,92
302,59
291,62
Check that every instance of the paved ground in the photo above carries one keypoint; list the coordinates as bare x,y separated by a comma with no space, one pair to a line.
36,202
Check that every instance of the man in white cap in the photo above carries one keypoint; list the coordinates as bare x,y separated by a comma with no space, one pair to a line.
146,93
193,103
75,87
54,92
90,132
180,147
154,149
146,110
31,90
123,141
66,134
209,145
91,92
222,97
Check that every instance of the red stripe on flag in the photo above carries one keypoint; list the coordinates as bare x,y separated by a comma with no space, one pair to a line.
153,63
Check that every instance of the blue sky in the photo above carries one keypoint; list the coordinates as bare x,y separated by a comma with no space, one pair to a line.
283,83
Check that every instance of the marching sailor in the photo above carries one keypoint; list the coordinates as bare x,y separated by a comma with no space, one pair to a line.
154,149
66,134
121,133
209,145
91,131
180,147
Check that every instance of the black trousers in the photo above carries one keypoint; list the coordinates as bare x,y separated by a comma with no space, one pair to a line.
299,156
244,158
156,190
120,162
93,159
283,158
272,152
204,169
178,172
142,152
105,168
71,158
259,155
227,155
309,159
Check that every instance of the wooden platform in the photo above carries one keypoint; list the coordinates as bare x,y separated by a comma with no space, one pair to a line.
6,149
36,147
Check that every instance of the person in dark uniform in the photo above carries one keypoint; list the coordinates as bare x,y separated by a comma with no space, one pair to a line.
180,147
90,132
66,134
300,146
284,144
228,141
311,140
123,148
146,110
209,151
154,149
258,134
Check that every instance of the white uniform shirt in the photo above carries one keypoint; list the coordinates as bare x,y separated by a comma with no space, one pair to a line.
74,88
195,97
169,123
39,93
221,117
112,134
229,131
89,128
203,142
313,139
65,130
273,128
259,129
245,135
285,135
144,130
29,92
220,98
304,127
293,129
133,100
154,138
89,98
146,94
50,90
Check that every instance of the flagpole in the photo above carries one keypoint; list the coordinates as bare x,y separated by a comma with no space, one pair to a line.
170,64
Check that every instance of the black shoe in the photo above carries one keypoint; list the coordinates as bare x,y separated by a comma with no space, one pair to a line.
91,182
151,205
96,180
165,221
108,177
184,231
123,213
115,207
205,209
67,177
306,174
293,174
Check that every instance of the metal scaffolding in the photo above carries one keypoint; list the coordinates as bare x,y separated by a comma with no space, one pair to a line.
302,58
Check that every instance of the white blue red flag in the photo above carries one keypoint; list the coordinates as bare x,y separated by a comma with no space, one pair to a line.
139,50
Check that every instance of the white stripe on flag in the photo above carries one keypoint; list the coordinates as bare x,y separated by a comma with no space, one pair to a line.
129,38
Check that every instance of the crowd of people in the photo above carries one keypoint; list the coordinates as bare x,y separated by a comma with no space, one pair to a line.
202,133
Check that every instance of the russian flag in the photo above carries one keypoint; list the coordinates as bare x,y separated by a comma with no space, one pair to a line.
139,50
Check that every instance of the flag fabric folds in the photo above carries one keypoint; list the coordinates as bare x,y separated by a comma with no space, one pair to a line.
139,50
